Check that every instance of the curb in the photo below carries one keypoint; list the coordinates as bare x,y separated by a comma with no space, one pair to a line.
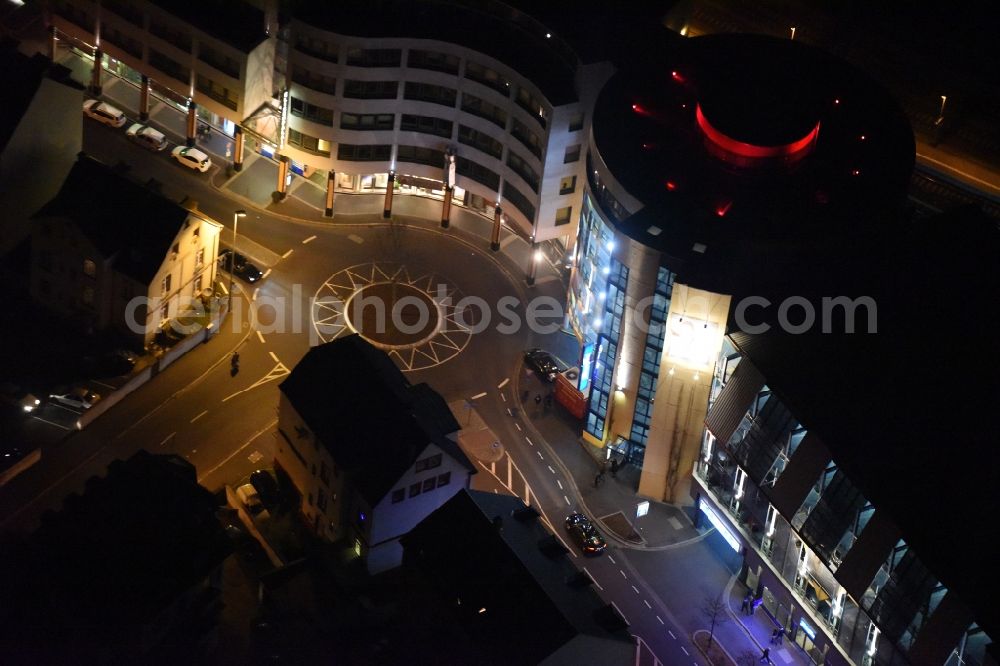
694,639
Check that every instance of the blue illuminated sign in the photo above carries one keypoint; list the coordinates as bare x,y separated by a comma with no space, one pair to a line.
807,628
586,367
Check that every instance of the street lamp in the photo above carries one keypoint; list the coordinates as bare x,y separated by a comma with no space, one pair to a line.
793,33
232,255
944,98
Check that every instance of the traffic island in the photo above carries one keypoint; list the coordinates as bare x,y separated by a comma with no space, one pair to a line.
716,654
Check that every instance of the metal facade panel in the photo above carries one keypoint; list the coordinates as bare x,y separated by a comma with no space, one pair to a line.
868,553
804,467
733,401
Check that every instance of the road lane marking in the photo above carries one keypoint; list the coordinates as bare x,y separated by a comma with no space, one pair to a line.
620,612
518,426
593,580
622,572
245,445
528,440
686,654
958,171
199,416
503,383
478,396
224,288
658,618
266,273
509,413
567,501
540,457
647,604
109,386
671,634
51,423
503,397
254,297
274,357
260,336
612,559
288,254
356,238
560,484
309,240
550,469
167,438
636,589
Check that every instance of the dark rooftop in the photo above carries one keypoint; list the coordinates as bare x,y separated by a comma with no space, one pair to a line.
372,420
237,22
123,219
20,78
493,28
107,564
752,88
529,593
903,410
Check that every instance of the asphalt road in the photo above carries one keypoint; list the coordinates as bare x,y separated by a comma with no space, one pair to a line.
224,423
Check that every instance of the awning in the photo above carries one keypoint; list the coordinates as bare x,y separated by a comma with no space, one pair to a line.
732,403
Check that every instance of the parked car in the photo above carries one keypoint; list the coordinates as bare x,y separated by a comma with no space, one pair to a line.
147,137
192,158
585,534
243,268
78,398
104,113
15,395
251,500
542,363
266,487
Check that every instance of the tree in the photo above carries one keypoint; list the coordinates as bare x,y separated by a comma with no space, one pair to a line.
713,609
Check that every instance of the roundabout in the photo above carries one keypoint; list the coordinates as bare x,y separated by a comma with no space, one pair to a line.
410,313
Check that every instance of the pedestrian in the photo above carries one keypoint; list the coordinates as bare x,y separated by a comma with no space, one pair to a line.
538,399
765,657
614,466
599,479
745,607
774,636
779,635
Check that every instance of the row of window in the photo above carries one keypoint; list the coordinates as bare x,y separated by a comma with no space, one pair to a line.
441,480
424,59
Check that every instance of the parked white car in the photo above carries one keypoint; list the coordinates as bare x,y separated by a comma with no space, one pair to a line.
78,398
147,137
251,500
192,158
104,113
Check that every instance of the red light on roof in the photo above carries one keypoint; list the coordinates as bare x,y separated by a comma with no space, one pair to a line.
648,146
836,101
855,172
749,149
676,76
862,137
671,185
723,209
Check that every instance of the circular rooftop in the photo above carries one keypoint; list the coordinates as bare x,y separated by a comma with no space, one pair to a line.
741,143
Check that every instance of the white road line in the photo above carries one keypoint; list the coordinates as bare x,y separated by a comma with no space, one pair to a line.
540,456
199,416
671,634
509,413
107,386
620,612
612,559
51,423
266,273
622,572
518,426
254,297
287,254
274,357
686,654
260,336
560,484
478,396
658,618
503,397
503,383
528,441
593,579
551,470
167,438
245,445
309,240
958,171
636,589
567,501
224,288
647,604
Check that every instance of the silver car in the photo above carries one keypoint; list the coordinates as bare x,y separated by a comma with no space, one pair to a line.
147,137
78,398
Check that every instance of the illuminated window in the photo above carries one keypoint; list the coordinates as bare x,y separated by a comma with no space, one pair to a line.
567,185
89,268
563,215
357,547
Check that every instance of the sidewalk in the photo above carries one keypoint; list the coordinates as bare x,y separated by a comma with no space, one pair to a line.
742,632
